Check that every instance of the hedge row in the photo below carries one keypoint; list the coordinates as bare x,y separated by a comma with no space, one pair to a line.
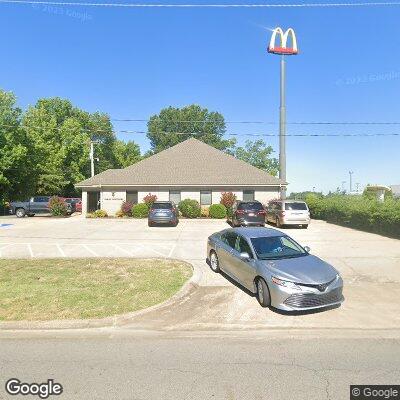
188,208
358,212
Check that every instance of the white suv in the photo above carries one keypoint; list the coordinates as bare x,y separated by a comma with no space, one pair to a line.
288,212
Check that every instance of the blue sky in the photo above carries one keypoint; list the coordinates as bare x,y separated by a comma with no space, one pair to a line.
131,63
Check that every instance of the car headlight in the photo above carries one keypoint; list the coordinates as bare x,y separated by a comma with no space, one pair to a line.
287,284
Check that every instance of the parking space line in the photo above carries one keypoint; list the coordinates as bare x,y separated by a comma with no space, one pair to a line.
150,249
172,250
123,250
4,247
90,250
60,250
30,250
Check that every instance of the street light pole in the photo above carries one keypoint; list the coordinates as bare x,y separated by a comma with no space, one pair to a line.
351,182
282,127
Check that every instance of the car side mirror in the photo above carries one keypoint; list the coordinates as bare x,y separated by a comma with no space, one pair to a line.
307,249
245,256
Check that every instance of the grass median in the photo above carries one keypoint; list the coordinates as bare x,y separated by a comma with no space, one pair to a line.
40,290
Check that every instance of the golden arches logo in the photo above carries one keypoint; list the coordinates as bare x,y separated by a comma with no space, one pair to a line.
283,36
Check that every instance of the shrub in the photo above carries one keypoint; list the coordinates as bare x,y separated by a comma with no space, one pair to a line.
218,211
205,211
140,210
100,214
359,212
120,214
126,208
189,208
228,199
229,212
149,199
57,206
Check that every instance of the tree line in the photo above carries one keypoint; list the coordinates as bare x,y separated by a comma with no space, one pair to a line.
44,150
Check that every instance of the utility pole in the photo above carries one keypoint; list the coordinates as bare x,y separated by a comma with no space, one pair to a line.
343,189
357,187
282,49
91,157
351,186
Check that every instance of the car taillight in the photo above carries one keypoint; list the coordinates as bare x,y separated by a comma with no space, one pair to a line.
151,209
261,212
240,212
282,213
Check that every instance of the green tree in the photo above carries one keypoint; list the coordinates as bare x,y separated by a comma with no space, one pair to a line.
174,125
126,153
259,155
58,137
13,150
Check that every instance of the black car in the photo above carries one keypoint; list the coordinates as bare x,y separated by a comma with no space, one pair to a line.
163,212
248,213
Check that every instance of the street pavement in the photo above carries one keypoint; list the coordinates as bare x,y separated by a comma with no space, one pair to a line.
114,366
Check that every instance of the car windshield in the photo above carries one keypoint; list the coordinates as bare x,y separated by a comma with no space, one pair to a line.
274,247
250,206
296,206
162,206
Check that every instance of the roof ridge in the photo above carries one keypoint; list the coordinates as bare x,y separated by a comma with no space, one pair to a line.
190,162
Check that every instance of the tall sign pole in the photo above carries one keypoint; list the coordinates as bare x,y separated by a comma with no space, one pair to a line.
282,128
282,49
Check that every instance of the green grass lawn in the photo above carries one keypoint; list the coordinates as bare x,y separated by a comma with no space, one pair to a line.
85,288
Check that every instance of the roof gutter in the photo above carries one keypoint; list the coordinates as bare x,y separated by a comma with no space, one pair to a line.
183,185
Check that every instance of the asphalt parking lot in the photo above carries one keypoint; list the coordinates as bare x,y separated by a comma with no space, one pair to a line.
369,264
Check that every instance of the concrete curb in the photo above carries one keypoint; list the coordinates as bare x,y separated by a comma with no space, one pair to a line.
114,321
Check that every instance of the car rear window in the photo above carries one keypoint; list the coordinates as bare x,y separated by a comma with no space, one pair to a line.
72,201
250,206
162,206
295,206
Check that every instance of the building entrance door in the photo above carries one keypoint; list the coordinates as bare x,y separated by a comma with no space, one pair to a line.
93,202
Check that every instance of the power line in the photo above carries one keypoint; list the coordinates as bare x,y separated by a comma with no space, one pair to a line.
153,5
271,134
269,122
96,130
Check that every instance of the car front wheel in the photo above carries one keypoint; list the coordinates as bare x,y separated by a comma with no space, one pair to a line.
20,213
263,295
214,262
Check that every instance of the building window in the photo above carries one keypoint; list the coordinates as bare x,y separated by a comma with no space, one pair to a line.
205,197
132,197
248,195
175,196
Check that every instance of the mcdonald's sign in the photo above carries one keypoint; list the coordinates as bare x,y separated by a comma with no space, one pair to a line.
282,47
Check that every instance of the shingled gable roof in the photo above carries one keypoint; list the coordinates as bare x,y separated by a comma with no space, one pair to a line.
189,163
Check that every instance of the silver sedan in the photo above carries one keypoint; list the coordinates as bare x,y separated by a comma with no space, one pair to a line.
277,269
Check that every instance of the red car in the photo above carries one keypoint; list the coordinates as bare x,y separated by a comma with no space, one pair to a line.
74,201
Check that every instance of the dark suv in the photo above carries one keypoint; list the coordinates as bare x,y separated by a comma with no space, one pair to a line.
248,213
163,212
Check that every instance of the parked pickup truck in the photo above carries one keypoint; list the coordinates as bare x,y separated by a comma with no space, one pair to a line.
35,205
